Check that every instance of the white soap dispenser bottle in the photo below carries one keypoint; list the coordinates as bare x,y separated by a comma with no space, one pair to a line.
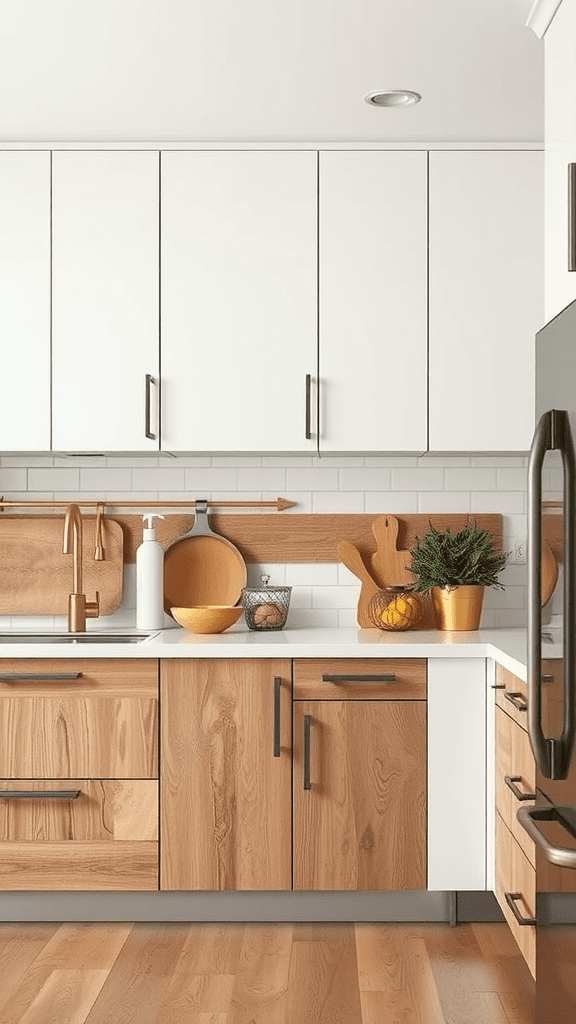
150,579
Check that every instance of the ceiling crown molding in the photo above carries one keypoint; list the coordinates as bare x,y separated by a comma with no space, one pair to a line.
541,15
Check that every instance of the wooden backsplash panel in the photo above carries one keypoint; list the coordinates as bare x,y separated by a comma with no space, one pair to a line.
294,537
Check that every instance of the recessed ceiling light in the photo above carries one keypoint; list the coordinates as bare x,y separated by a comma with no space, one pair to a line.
393,98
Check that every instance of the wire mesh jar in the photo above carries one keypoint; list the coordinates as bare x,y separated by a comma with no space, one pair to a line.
395,608
266,608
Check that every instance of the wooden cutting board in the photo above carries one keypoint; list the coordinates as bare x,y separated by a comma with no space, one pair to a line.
36,578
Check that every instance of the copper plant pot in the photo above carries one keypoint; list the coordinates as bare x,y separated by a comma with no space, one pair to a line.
457,608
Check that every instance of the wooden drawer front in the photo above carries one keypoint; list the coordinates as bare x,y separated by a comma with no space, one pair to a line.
515,874
512,699
86,717
514,759
71,737
408,682
106,838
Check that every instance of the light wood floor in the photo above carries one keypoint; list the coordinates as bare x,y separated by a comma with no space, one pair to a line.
262,974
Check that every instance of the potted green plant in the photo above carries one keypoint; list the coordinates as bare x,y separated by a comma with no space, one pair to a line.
455,568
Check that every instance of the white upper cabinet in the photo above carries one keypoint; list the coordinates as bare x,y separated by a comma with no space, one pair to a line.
560,142
105,275
486,281
373,265
239,300
25,300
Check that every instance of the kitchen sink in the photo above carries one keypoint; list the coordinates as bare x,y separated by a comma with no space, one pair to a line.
75,638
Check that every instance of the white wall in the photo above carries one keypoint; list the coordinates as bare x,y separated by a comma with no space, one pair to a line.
323,593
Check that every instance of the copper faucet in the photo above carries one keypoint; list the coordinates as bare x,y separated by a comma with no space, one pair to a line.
79,609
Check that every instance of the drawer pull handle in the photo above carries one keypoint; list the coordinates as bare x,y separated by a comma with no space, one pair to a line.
306,781
43,677
277,683
39,794
517,700
498,686
511,898
511,781
150,380
389,678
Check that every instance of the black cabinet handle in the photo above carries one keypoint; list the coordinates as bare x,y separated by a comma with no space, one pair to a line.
517,700
511,898
306,782
308,407
390,678
39,794
147,426
571,217
277,684
511,781
43,677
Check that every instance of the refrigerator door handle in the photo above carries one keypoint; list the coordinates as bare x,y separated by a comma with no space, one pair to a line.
561,856
552,755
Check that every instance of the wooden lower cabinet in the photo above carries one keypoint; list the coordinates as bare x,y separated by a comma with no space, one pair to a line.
516,887
362,823
79,834
225,782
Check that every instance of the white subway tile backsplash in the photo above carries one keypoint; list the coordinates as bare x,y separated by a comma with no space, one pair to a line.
106,479
444,501
338,501
418,479
375,479
273,480
395,502
315,479
203,481
512,479
276,571
469,479
54,479
375,484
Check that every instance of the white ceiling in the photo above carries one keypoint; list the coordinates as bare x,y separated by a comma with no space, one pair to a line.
267,70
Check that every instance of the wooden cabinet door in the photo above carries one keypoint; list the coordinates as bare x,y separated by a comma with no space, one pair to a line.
239,300
105,305
362,823
560,144
486,250
25,300
225,774
373,294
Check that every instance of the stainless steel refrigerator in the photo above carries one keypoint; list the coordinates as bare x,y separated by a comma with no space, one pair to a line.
551,821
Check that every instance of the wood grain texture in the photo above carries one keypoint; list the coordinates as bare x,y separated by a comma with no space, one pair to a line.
122,811
36,578
78,737
512,684
362,825
514,758
66,996
390,567
99,677
409,684
203,570
303,537
225,804
514,873
282,974
54,866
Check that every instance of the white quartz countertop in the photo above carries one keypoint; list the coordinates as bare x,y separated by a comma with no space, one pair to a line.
506,646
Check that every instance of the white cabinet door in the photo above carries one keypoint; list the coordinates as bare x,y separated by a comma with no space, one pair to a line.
373,301
25,300
486,298
560,141
105,300
239,299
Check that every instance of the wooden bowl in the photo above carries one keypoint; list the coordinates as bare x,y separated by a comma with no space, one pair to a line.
212,618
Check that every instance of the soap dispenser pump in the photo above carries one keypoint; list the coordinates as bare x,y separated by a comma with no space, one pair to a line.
150,579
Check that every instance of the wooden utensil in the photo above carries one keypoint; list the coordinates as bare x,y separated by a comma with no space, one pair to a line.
389,566
202,568
36,578
352,559
548,573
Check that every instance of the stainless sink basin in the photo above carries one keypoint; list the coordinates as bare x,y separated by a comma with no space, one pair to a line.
75,638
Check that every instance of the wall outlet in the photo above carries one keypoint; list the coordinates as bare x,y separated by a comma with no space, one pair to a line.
519,552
